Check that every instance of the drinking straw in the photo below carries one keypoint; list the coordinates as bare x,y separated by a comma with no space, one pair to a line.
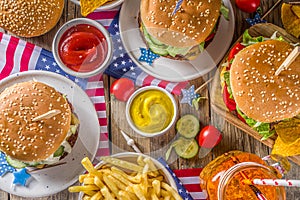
277,182
257,192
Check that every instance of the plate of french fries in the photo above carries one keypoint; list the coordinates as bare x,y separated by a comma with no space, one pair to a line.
126,176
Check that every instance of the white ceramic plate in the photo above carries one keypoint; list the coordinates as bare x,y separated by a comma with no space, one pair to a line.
168,69
106,6
52,180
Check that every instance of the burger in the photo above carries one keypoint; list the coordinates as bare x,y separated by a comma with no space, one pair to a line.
29,140
179,32
251,90
30,18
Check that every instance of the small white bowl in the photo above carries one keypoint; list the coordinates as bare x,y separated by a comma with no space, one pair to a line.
132,157
128,115
66,27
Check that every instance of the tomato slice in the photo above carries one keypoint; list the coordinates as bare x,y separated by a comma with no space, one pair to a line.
241,118
234,50
211,36
229,102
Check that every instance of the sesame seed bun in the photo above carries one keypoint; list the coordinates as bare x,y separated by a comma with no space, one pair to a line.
260,94
20,137
30,18
189,26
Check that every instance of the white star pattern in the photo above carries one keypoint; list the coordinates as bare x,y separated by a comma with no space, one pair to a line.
47,63
123,62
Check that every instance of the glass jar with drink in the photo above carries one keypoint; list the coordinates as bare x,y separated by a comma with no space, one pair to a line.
227,178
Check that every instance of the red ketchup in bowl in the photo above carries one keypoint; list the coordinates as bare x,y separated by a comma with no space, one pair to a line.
83,48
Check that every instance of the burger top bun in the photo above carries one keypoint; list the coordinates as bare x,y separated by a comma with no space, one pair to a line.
30,18
189,26
20,137
257,91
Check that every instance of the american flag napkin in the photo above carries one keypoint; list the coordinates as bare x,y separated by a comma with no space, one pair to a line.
191,181
16,55
187,182
122,65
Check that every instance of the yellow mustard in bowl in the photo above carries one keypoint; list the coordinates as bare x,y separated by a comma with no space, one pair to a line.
151,111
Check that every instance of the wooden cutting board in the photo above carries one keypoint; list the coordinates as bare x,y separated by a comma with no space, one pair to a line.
266,30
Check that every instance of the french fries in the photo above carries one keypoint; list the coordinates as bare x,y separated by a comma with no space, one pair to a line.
123,180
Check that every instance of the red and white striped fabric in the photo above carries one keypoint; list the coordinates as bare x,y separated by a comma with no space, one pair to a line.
104,17
95,90
191,181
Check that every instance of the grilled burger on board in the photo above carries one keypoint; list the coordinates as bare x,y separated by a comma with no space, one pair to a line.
268,103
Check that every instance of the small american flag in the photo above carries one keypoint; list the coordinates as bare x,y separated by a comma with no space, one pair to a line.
17,55
122,65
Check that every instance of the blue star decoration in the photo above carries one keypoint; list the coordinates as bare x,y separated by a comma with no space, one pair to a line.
20,177
255,20
189,95
147,56
4,166
181,189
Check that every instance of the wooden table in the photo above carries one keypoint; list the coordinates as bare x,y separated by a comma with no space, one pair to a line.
233,138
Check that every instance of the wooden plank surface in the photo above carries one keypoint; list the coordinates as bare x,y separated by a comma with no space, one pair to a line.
233,138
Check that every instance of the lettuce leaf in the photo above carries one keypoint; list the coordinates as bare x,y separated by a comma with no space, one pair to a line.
227,81
248,39
224,11
264,129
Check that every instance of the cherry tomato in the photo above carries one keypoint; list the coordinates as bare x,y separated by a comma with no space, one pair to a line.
209,137
122,89
248,6
229,102
234,50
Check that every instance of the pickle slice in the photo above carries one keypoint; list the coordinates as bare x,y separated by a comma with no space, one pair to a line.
15,163
188,126
186,148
